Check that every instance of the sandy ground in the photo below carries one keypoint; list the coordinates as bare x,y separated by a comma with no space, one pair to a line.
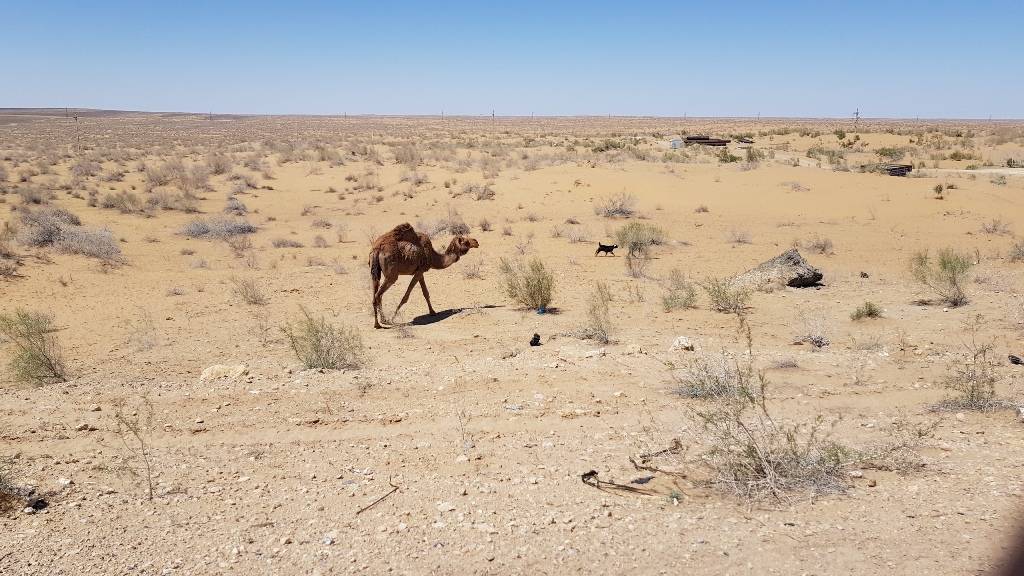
485,437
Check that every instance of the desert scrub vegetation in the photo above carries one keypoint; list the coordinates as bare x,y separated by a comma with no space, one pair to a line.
61,229
11,495
973,378
820,245
945,275
866,310
638,237
530,284
123,201
598,326
621,205
680,293
249,290
1017,252
320,344
217,228
724,297
38,358
710,376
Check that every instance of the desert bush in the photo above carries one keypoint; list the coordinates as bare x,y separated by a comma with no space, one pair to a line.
3,174
1017,252
33,195
249,290
286,243
866,310
679,292
892,154
739,237
995,226
235,206
485,225
219,163
322,345
599,325
85,169
407,154
702,209
945,276
217,228
973,379
636,264
479,191
820,245
621,205
38,358
473,269
93,242
710,376
724,297
638,237
123,201
529,284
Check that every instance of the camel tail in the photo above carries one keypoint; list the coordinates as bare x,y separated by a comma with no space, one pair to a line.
375,266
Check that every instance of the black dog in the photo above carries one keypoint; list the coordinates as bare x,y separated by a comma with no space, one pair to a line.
606,249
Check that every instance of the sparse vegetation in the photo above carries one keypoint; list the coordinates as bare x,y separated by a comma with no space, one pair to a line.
38,358
724,297
866,310
974,377
529,284
621,205
599,325
322,345
249,290
217,228
680,293
946,276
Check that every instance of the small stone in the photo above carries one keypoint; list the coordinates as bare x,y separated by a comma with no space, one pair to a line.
286,540
872,483
856,474
681,343
595,353
218,371
65,481
199,420
29,510
330,538
95,408
462,458
960,417
445,507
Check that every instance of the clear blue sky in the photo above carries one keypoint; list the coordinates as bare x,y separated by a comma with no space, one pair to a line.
938,59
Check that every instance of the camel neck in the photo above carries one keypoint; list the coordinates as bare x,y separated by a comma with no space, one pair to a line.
445,260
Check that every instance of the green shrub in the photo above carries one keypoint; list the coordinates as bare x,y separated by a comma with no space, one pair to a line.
866,310
38,358
724,297
638,237
679,292
529,284
319,344
945,276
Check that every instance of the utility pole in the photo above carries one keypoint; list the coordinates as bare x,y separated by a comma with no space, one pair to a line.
856,117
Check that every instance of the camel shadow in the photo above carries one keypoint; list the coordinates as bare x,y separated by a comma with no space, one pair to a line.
427,319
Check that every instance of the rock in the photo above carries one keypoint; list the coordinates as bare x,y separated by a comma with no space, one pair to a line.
787,269
218,371
95,408
65,482
1020,413
595,353
681,343
856,474
330,538
83,427
445,507
535,341
960,417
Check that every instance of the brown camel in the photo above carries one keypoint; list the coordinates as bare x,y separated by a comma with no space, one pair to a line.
404,252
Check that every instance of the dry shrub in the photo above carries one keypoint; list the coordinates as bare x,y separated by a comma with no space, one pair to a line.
123,201
33,195
38,358
724,297
285,243
12,496
529,284
249,290
679,292
407,154
1017,252
620,205
820,245
235,207
946,276
217,228
866,310
974,377
485,225
62,230
219,163
599,325
638,237
321,345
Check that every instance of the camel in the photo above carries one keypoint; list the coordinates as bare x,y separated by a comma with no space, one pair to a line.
404,252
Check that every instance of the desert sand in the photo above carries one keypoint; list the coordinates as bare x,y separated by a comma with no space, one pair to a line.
267,468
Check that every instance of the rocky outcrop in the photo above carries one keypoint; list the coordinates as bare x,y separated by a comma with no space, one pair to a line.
786,269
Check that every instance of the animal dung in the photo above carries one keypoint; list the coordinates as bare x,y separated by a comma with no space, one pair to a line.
535,341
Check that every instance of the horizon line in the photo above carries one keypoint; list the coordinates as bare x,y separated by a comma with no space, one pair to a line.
26,109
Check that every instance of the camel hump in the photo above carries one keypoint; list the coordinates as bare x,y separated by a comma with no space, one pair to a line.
404,233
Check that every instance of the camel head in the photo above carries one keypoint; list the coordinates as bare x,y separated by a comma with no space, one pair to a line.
461,244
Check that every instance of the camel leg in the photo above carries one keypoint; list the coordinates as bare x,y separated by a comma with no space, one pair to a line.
415,278
378,295
426,295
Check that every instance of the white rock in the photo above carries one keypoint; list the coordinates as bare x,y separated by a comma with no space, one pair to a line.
445,507
595,353
681,343
218,371
330,538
